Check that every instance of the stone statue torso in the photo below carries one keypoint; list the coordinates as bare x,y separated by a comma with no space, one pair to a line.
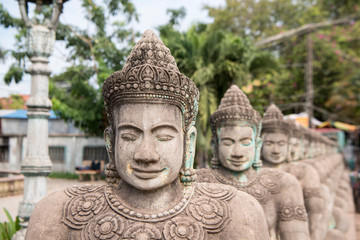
266,188
206,211
95,212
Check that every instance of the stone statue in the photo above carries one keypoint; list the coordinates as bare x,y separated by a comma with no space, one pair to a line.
282,141
150,191
236,148
329,167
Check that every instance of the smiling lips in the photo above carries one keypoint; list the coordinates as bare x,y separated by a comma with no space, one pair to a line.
237,162
146,173
275,156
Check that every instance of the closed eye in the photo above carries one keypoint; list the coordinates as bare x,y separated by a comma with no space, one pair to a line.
227,142
246,141
164,137
129,137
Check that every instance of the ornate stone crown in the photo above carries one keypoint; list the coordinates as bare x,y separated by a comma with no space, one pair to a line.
273,121
307,133
150,74
234,106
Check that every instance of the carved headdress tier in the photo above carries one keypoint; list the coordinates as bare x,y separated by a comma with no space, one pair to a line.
295,129
150,74
273,120
234,106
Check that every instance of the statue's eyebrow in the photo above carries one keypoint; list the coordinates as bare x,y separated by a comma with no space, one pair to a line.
164,125
227,138
129,125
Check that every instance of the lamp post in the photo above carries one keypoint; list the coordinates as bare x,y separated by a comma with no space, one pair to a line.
36,165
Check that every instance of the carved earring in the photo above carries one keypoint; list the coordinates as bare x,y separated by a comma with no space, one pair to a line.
187,176
258,163
215,163
112,176
187,173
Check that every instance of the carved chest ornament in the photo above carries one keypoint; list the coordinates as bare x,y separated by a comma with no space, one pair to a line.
261,187
98,213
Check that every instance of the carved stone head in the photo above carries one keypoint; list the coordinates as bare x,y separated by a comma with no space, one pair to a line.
306,143
295,141
235,127
275,135
151,109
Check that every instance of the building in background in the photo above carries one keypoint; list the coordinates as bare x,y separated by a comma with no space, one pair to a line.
68,146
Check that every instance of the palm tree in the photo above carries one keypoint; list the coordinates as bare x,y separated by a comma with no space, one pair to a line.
214,61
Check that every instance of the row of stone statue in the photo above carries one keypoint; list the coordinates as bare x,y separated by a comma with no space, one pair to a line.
269,178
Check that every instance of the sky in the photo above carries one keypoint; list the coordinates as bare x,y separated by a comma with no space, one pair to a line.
152,13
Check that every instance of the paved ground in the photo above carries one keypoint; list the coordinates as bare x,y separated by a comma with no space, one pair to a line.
12,203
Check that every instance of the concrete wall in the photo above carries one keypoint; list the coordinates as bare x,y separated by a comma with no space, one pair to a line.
15,126
74,150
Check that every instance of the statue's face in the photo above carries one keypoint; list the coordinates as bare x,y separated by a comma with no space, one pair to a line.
294,148
149,144
236,146
305,148
275,147
311,150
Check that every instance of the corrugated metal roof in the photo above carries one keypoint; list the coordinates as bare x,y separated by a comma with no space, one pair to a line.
21,114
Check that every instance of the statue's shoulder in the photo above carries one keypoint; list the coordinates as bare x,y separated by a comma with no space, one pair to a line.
304,172
235,212
46,221
277,176
206,175
280,183
83,189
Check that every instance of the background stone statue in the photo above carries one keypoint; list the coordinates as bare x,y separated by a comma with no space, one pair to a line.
150,191
236,146
281,149
330,167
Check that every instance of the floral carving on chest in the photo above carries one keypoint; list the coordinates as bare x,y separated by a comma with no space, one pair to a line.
98,213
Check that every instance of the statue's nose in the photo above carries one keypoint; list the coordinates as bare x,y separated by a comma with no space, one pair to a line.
146,151
275,150
236,152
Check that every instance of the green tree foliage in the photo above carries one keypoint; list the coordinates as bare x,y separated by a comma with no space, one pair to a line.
336,49
76,93
94,55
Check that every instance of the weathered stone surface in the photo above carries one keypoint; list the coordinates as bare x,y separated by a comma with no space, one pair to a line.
236,148
150,191
281,150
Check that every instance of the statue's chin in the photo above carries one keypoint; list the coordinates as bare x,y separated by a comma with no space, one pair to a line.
275,160
238,166
148,180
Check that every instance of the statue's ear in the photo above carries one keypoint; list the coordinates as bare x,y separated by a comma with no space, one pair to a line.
214,146
109,143
190,147
259,143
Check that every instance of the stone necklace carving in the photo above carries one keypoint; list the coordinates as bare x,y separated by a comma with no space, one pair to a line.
98,213
117,205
